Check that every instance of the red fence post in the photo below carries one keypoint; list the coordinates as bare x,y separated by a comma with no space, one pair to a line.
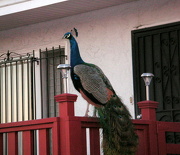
148,109
66,108
70,126
148,112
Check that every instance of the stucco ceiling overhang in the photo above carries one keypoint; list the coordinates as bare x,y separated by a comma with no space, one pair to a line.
54,11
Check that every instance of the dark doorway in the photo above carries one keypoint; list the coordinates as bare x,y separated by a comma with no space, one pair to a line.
157,50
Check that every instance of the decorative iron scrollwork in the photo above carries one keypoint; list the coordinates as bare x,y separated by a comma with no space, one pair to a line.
157,64
177,138
166,118
165,42
172,41
177,117
158,80
173,69
10,56
175,100
173,137
169,137
167,100
169,71
166,70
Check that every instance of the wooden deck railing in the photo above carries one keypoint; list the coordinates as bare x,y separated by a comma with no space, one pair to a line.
71,135
152,133
162,128
27,129
64,135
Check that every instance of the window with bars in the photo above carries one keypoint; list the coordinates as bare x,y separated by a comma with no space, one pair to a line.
51,81
16,87
18,84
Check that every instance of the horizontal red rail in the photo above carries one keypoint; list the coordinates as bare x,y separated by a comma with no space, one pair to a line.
173,148
169,126
33,124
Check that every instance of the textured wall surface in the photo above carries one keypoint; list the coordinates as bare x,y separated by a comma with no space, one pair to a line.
104,39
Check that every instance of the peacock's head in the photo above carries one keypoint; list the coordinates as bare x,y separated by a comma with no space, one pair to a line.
67,35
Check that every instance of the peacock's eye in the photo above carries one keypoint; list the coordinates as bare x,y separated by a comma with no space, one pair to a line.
68,35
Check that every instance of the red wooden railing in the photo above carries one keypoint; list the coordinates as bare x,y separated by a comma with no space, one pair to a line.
27,128
67,134
164,127
152,137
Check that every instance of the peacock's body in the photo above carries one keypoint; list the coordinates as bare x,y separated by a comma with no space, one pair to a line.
119,137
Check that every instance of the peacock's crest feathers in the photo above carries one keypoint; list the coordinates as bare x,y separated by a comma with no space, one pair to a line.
74,31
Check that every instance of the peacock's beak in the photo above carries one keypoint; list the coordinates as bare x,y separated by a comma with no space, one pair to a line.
63,37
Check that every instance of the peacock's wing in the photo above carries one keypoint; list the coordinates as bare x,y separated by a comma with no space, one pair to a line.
94,81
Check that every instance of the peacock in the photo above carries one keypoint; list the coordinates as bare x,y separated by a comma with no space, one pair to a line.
119,137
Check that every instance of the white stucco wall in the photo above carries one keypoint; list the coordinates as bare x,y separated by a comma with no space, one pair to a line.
104,39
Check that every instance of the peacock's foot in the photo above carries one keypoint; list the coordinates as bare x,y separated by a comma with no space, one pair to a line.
87,115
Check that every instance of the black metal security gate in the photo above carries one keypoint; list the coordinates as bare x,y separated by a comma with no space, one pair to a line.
157,50
17,97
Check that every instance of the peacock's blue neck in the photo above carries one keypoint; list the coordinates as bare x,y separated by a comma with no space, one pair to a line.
75,55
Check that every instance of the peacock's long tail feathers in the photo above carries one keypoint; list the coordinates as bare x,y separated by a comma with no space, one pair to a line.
119,137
